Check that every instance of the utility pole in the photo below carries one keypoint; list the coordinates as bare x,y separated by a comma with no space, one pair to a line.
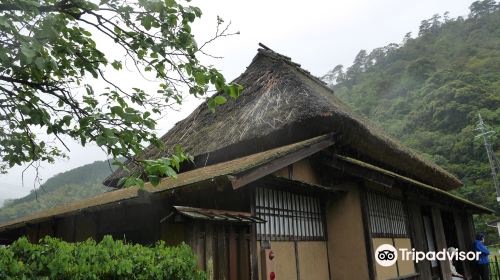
492,158
494,163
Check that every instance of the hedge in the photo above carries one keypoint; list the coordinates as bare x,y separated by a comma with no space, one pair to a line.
52,258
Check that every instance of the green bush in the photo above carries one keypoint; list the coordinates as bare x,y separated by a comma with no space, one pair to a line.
108,259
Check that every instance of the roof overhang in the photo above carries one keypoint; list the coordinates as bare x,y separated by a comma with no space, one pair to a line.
388,178
247,176
217,215
237,173
298,186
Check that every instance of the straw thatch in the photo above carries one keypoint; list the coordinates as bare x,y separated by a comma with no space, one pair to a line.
281,104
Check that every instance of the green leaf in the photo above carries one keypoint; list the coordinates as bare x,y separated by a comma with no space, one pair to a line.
40,63
148,21
54,50
199,77
211,105
197,11
154,180
116,64
28,51
67,120
219,100
101,140
4,21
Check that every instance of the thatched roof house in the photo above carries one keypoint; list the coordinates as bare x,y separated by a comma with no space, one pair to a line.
282,104
285,170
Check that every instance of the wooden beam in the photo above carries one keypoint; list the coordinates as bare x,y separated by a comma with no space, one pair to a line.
469,237
359,171
254,269
367,230
246,177
209,250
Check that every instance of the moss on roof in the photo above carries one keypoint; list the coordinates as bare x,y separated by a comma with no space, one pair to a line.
417,183
210,173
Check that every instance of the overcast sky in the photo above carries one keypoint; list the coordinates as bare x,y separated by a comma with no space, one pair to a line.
316,34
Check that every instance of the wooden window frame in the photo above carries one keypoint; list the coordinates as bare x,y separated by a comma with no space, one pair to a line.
290,216
388,217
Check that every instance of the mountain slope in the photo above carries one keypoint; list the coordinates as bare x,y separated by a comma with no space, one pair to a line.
79,183
428,92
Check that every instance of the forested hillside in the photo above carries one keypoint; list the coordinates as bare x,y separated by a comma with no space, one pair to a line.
72,185
428,91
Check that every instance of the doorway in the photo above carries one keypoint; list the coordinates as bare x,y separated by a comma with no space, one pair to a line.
431,242
450,233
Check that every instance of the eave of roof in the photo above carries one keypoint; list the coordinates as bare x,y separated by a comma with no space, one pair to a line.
211,174
299,185
217,215
415,183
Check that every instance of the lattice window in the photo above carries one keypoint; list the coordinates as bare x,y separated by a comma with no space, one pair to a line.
289,216
387,216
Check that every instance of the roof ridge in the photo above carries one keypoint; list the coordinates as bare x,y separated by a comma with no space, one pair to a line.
273,54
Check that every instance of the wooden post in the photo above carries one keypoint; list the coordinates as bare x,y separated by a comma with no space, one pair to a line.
419,239
469,237
254,266
233,254
366,228
209,250
440,241
461,243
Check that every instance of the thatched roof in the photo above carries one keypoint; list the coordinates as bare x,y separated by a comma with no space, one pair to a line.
281,104
213,174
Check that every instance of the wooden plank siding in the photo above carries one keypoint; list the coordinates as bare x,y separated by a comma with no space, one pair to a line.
418,237
469,235
461,243
440,240
222,250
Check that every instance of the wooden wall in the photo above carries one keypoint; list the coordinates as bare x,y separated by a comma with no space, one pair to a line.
285,262
222,250
86,225
346,236
313,260
299,260
300,171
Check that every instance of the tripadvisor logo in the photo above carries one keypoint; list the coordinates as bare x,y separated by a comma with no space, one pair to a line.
387,255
